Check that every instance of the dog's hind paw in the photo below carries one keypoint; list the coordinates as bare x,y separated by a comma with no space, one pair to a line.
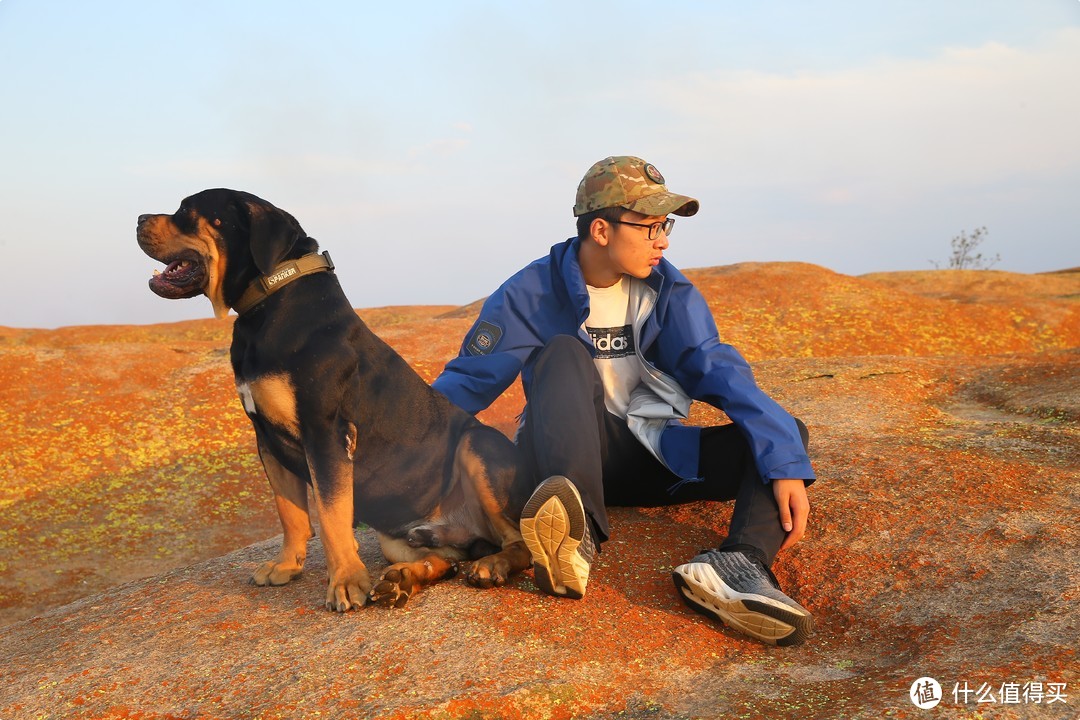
496,569
394,588
424,536
487,572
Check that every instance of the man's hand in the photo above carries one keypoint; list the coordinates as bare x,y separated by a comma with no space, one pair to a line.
794,508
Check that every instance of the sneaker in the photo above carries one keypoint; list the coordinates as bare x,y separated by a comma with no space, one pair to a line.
556,532
742,593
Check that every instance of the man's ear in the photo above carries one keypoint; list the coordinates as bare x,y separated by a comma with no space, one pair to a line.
273,233
600,231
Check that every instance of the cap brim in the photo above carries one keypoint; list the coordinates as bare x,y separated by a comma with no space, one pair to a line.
665,203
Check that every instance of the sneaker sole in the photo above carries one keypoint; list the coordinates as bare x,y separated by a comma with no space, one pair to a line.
553,526
758,616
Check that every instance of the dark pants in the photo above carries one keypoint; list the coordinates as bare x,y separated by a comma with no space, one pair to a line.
568,431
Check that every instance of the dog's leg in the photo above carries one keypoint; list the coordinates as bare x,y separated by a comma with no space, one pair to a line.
290,497
482,478
494,570
348,582
412,569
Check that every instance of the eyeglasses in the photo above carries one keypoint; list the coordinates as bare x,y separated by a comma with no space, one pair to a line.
654,228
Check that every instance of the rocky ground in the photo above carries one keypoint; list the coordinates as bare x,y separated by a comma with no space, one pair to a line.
944,411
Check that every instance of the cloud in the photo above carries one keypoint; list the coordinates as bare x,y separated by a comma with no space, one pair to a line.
968,115
442,147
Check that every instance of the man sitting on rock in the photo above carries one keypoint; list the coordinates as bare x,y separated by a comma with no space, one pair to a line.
612,342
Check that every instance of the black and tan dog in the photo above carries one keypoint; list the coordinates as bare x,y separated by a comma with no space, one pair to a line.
336,409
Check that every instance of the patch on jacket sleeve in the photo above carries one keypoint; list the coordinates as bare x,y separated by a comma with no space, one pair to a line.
484,338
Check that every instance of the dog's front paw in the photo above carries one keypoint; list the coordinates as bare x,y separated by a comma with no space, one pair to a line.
395,587
348,590
276,572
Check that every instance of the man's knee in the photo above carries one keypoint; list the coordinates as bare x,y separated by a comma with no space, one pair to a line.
560,352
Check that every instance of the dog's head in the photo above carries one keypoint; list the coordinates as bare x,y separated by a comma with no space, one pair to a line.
217,243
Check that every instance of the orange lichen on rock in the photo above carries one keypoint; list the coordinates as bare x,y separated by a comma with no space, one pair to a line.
944,413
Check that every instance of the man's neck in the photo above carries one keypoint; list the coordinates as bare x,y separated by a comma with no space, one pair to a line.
594,268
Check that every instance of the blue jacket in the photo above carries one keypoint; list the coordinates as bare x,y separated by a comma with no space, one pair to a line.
549,298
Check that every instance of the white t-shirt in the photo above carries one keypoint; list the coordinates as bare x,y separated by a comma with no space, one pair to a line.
609,326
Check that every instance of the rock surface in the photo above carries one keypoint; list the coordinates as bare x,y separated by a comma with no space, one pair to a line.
944,411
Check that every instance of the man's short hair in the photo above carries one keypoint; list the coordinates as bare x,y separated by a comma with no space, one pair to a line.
610,214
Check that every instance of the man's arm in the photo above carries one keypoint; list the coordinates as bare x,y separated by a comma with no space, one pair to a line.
711,371
473,383
491,355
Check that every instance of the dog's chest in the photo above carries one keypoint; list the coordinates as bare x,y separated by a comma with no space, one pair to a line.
271,398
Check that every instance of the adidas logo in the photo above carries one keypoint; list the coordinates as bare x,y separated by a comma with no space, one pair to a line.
612,342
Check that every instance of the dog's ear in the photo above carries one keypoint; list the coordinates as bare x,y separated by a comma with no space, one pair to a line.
272,233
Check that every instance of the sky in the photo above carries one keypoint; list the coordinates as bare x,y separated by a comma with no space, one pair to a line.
434,147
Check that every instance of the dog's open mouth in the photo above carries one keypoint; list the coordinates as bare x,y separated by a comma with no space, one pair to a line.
183,277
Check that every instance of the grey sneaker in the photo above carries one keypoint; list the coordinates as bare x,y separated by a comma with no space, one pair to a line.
743,594
556,532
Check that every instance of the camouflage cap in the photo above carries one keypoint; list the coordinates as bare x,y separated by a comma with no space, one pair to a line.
629,182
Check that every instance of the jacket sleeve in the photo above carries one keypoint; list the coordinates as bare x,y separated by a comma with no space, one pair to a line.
716,373
491,355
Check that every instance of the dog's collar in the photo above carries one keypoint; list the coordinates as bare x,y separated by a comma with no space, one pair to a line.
263,287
